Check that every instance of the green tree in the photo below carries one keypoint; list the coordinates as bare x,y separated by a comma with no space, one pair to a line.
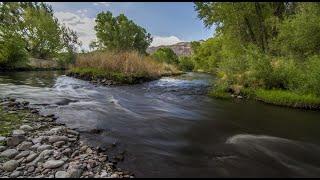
120,34
167,55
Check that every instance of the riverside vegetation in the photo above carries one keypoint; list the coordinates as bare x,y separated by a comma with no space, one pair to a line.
269,51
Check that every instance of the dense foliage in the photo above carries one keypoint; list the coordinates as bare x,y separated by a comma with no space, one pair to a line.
30,30
269,45
167,55
120,34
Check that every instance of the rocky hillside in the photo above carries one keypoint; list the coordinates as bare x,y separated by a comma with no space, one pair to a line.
181,49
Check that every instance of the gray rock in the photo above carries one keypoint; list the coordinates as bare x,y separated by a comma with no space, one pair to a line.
74,172
67,151
59,143
30,169
26,128
54,139
69,131
18,132
2,139
57,130
22,154
52,164
15,174
2,148
25,145
10,166
31,157
115,175
9,153
37,140
35,147
62,174
15,140
44,147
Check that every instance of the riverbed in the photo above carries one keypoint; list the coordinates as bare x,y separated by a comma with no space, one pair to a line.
170,128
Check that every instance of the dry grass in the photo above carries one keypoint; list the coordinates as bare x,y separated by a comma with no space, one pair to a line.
127,63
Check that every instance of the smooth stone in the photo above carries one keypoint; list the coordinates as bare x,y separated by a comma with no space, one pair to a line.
51,164
24,145
114,175
75,172
9,153
31,157
31,169
10,165
54,139
15,174
37,140
62,174
59,143
73,132
2,148
18,132
57,130
26,128
3,139
15,140
22,154
44,147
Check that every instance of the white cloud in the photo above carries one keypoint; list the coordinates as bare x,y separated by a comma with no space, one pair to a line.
102,3
84,26
163,40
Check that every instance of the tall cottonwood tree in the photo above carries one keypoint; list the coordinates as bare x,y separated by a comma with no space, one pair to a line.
120,34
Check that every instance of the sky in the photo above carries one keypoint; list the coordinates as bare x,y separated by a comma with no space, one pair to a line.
167,22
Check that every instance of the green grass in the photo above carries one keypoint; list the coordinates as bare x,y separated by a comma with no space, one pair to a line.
9,121
96,73
287,98
219,94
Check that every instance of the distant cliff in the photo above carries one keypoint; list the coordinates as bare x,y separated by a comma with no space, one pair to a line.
181,49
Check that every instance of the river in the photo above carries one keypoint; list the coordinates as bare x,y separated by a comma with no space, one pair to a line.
170,128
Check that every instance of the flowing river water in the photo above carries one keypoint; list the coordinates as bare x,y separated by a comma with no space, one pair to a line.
170,128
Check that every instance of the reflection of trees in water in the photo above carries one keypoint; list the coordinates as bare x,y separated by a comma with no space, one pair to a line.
34,78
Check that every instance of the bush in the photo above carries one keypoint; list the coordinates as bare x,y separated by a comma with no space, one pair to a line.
311,79
186,63
166,55
13,54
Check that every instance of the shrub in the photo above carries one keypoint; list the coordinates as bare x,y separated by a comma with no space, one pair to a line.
13,54
186,63
166,55
311,79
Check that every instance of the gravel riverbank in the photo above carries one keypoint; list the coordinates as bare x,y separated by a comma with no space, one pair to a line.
42,147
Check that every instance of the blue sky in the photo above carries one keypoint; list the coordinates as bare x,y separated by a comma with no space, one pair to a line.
168,22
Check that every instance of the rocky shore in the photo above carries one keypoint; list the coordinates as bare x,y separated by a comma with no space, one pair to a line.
44,148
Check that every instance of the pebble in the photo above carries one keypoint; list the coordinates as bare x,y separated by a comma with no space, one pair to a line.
44,147
54,139
15,174
2,139
2,148
24,145
9,153
15,140
26,128
22,154
10,165
62,174
18,132
51,164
